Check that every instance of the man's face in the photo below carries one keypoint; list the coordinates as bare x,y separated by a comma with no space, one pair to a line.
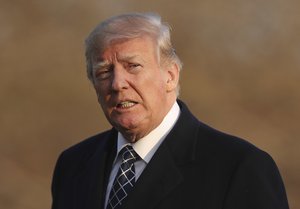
134,90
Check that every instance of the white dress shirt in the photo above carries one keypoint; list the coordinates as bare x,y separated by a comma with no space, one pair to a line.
144,147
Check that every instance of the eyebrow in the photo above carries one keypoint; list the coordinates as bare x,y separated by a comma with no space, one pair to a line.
122,58
130,57
101,64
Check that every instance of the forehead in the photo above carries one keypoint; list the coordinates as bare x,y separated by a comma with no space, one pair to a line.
130,48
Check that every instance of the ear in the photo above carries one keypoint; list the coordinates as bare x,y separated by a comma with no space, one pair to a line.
172,77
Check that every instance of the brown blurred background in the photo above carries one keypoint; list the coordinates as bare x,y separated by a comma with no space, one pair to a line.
241,75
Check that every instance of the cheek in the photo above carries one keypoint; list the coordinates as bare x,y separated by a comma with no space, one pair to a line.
102,97
101,89
159,87
156,80
156,94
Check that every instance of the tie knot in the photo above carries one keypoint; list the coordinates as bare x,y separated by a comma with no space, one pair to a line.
128,154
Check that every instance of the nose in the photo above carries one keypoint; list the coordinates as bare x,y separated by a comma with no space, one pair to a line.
119,78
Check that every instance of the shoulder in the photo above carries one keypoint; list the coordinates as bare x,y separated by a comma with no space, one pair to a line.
225,145
86,147
233,155
251,174
205,142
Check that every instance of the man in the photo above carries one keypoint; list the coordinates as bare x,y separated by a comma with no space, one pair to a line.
157,155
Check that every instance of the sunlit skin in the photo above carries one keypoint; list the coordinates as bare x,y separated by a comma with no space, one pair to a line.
134,89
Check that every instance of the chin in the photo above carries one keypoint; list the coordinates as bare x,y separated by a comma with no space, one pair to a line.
131,132
128,123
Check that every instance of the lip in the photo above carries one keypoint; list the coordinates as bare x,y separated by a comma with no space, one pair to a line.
125,104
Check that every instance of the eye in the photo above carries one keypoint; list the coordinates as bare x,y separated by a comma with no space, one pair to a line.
103,73
134,66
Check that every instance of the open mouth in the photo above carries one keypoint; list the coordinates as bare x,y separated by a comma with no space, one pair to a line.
126,104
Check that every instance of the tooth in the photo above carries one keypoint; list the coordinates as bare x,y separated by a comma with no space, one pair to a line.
126,104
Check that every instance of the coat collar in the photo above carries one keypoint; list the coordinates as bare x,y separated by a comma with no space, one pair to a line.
182,139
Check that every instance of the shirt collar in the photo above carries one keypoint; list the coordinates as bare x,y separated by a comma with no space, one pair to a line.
146,146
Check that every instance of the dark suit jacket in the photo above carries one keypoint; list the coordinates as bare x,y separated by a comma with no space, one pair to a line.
195,167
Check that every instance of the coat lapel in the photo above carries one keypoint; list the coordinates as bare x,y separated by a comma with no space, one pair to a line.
91,182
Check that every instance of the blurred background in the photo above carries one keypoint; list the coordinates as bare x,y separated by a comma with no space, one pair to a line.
241,75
